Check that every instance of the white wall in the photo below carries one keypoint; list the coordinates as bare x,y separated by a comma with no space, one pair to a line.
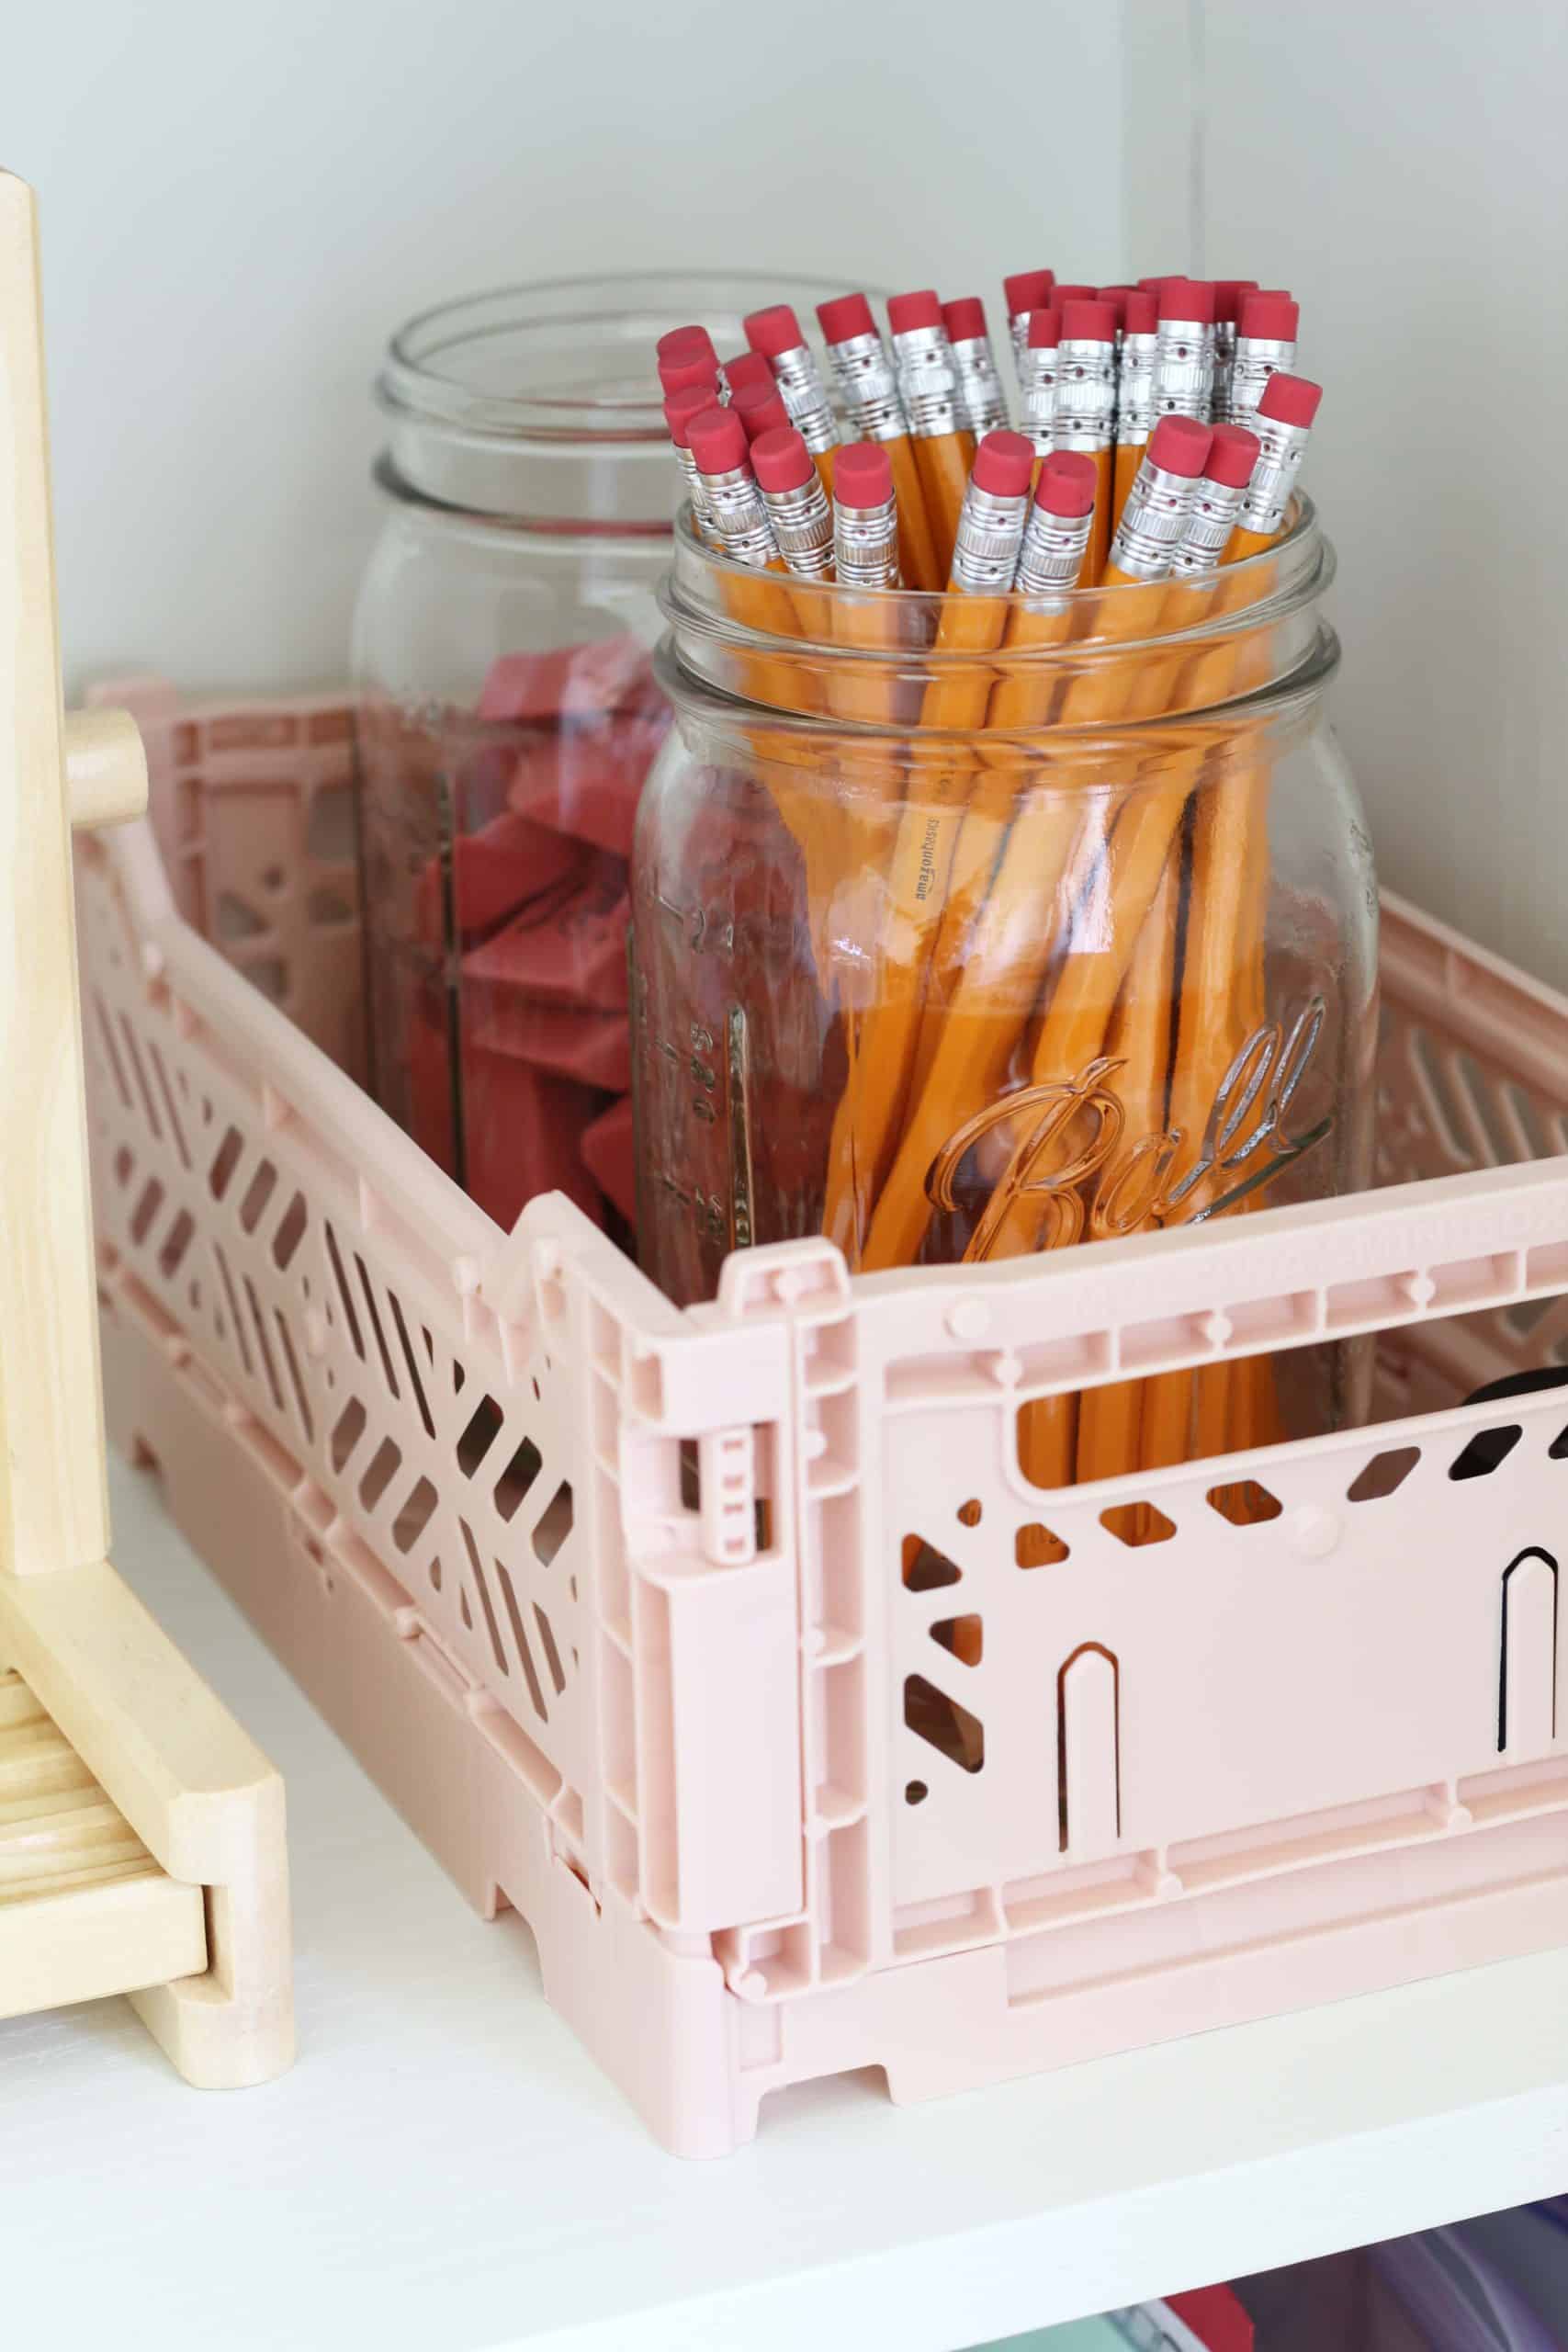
238,204
1404,171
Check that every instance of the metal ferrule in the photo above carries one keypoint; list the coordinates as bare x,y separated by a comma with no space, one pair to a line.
805,397
1037,388
1018,328
983,401
803,529
1086,396
741,517
1184,368
927,383
1256,360
1052,556
1209,527
868,387
696,491
721,386
865,546
1267,494
1225,360
984,551
1135,390
1153,522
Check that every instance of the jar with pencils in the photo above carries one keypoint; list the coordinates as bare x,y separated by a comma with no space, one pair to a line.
972,925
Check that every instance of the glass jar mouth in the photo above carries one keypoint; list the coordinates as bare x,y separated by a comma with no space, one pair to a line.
823,658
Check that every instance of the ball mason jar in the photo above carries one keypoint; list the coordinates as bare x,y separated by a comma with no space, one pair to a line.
508,714
955,955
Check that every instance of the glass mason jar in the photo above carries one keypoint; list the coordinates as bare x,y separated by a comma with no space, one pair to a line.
508,714
961,935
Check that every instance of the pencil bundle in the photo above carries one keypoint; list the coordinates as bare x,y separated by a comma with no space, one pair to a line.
1054,843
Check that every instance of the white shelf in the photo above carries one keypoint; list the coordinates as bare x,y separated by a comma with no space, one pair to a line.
446,2168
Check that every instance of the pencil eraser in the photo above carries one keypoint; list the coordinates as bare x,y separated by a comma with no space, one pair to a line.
717,440
586,781
907,311
522,1134
609,1154
773,331
682,406
1179,445
964,319
571,953
682,341
1142,313
1229,294
494,871
1232,452
1068,481
1289,400
1085,320
593,1048
567,681
746,367
845,315
760,408
692,367
1060,294
1004,465
1116,296
1268,317
781,460
1027,289
1186,298
1153,284
862,474
1044,328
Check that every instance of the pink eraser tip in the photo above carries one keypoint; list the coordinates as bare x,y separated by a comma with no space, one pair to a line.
682,406
964,319
1269,317
1229,295
845,315
760,408
1188,298
1178,445
1142,313
1044,328
680,341
1088,321
1067,483
717,440
1116,297
905,311
692,367
1289,400
1004,465
781,460
773,331
1153,284
1027,289
1060,294
862,474
1232,452
747,367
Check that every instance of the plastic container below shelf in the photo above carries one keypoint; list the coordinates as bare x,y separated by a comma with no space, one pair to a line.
611,1597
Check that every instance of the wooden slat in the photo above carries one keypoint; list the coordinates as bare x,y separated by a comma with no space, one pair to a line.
53,1508
58,1830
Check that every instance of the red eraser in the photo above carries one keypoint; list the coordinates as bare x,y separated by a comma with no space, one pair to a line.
1060,294
1188,298
691,367
573,952
1142,313
1179,445
575,682
773,331
682,406
1229,294
593,1048
1116,296
1044,328
781,460
1232,452
964,319
920,309
1084,320
747,367
1027,289
717,440
522,1134
1067,483
680,341
1153,284
609,1154
502,867
845,315
862,474
1269,317
760,408
585,781
1289,400
1004,465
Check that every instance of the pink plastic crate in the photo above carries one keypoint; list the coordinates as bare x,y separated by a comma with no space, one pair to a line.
612,1600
